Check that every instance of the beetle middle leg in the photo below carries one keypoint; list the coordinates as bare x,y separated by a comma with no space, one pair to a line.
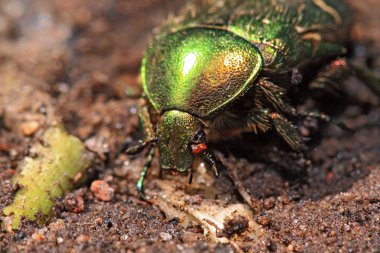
287,131
262,120
274,95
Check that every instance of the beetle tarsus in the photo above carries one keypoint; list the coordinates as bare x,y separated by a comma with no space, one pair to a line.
144,171
123,148
191,176
325,118
212,162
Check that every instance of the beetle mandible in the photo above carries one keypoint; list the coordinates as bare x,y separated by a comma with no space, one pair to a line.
224,68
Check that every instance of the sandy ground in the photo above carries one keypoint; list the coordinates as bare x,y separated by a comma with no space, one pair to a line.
72,61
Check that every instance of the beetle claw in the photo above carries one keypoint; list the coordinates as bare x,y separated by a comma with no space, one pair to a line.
208,157
215,171
142,196
191,177
123,148
135,149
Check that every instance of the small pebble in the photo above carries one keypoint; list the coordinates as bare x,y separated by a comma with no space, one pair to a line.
284,199
80,204
102,190
166,236
99,221
78,177
60,240
51,238
269,203
263,221
29,128
59,224
7,223
190,237
99,146
329,176
83,238
4,146
38,237
10,172
74,203
290,248
332,233
347,197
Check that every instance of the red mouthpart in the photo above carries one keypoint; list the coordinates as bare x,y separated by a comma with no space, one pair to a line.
198,148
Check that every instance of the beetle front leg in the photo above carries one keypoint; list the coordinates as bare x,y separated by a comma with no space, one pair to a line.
149,138
144,171
147,128
139,147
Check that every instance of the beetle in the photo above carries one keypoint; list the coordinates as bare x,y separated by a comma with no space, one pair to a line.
224,68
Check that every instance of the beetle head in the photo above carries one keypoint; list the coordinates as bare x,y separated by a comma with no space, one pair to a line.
180,135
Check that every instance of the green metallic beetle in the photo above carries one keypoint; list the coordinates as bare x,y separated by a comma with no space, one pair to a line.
224,68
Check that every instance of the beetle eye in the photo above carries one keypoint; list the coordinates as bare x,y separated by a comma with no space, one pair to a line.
199,137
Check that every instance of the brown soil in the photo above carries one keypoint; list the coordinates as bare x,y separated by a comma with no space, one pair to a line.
74,61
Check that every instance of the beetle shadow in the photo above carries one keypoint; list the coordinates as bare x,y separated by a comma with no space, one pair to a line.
272,170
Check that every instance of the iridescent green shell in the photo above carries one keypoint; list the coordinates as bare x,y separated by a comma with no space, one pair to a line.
199,70
185,66
290,31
